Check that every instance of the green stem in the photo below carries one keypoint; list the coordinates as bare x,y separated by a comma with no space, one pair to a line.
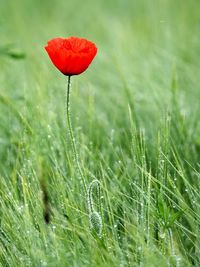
72,135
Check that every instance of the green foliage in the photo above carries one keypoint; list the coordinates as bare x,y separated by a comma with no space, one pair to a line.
10,51
135,116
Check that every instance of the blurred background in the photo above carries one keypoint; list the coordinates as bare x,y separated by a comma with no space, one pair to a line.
141,41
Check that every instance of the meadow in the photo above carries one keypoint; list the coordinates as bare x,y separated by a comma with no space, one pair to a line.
135,116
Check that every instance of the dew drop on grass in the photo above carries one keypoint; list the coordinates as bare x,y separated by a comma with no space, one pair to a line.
162,235
178,260
20,208
43,263
62,226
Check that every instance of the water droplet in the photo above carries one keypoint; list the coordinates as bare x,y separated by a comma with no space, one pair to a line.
162,235
43,263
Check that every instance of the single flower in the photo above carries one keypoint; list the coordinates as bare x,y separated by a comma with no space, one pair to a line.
72,55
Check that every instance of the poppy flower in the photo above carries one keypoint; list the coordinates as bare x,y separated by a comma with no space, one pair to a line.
72,55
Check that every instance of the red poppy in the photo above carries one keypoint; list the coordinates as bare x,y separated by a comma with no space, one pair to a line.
71,56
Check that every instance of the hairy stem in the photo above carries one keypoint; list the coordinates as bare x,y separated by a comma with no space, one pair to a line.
72,135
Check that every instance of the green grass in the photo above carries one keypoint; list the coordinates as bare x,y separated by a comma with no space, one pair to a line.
135,115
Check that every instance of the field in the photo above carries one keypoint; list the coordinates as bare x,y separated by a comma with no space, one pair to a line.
135,117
